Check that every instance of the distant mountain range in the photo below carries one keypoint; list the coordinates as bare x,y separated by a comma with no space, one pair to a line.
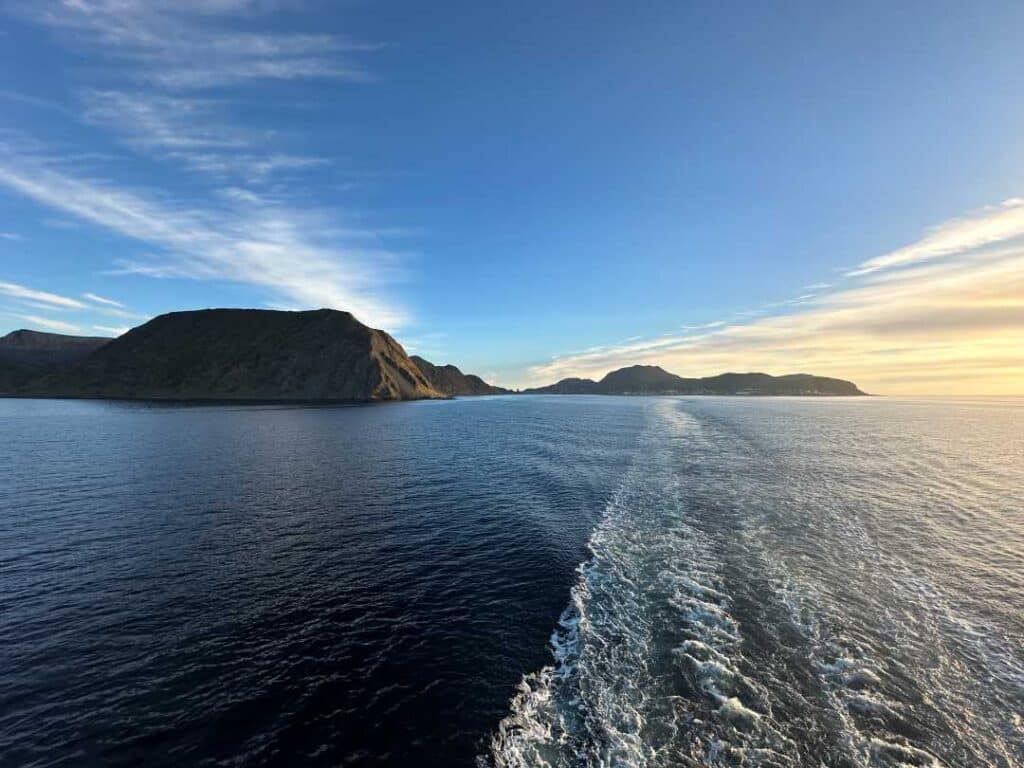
320,355
653,380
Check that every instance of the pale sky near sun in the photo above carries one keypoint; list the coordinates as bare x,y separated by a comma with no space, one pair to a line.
533,190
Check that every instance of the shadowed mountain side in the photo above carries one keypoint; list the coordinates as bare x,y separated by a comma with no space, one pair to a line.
244,354
449,380
651,380
26,354
571,386
326,355
37,347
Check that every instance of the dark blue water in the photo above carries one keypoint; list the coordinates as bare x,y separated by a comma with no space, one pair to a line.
273,585
740,582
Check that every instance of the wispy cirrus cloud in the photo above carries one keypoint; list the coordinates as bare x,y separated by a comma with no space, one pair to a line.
192,131
945,313
102,300
186,45
995,224
153,121
26,297
16,97
251,167
37,321
42,298
297,255
151,65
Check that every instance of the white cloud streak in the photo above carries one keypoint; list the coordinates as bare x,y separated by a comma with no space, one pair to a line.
288,253
40,298
185,45
190,131
159,122
991,225
47,322
296,255
102,300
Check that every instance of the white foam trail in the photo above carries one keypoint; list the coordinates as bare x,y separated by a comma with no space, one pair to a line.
854,679
647,618
676,649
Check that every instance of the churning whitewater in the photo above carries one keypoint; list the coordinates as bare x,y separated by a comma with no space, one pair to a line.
737,609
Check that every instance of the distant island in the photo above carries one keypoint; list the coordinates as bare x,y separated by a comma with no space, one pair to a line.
653,380
320,355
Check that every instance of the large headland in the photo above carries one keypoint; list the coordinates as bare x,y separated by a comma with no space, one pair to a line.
323,355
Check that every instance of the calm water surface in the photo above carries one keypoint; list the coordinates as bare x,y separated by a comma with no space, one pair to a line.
513,581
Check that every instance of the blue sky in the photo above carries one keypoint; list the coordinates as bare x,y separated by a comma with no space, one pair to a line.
532,190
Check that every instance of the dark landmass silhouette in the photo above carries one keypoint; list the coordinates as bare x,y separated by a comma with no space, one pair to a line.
26,355
322,355
449,380
653,380
242,354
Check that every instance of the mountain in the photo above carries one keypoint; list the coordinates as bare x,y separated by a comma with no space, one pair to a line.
641,378
653,380
791,384
449,380
26,354
327,355
244,354
567,387
38,348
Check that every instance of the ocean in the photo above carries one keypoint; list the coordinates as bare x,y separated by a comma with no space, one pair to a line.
513,581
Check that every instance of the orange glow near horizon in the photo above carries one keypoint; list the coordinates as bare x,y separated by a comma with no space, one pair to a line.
944,315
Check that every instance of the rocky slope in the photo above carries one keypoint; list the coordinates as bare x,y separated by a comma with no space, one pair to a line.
244,354
451,381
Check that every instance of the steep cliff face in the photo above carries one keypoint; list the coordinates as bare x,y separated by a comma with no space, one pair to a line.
243,354
451,381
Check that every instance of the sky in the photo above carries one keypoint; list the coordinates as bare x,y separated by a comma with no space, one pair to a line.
533,190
